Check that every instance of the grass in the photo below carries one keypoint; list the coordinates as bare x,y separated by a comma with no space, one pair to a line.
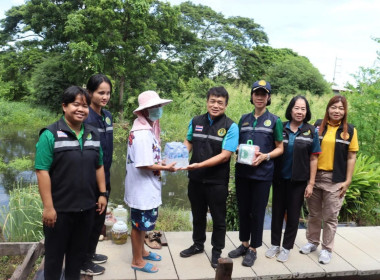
21,220
24,115
173,219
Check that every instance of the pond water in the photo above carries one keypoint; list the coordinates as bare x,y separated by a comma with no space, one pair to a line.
18,143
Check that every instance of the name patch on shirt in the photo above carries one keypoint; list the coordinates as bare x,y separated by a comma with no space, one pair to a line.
61,134
198,128
245,124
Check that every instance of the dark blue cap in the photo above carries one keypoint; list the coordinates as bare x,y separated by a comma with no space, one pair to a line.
261,84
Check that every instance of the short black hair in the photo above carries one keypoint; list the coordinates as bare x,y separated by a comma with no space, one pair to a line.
288,113
71,93
95,81
218,92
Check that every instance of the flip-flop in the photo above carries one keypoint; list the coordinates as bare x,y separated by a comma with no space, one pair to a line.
152,257
152,242
147,268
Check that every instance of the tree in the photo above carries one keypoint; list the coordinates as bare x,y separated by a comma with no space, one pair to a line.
364,109
296,74
211,44
17,65
253,64
121,38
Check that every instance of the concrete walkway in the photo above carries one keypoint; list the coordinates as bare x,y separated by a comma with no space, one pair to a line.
357,252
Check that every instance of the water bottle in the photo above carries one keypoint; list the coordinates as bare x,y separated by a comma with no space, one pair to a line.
109,222
185,155
120,213
169,153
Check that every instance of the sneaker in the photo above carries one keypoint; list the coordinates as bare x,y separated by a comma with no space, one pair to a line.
272,251
239,251
324,257
214,259
308,248
91,269
190,251
284,255
99,258
249,258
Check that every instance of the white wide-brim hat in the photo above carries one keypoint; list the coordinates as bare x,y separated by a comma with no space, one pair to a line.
149,99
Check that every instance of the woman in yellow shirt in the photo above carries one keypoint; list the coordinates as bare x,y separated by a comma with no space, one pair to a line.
339,144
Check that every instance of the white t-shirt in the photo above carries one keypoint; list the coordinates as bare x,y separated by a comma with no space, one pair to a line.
142,186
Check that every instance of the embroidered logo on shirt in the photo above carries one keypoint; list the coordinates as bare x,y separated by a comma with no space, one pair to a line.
61,134
89,136
222,132
198,128
108,121
245,124
307,133
267,123
344,136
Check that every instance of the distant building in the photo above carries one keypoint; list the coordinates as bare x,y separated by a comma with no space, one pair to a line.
337,89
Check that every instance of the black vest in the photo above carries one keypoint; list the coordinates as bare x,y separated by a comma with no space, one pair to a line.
207,142
105,130
340,152
73,171
263,136
302,149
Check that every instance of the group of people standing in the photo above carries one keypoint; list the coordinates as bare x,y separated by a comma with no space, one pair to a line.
73,161
298,159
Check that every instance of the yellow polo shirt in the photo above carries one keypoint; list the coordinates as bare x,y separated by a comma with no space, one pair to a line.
326,158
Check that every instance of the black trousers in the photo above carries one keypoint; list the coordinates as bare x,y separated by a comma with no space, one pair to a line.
96,229
287,198
252,197
69,238
212,196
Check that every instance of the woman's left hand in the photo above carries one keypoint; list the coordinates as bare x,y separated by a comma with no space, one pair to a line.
308,191
343,189
102,204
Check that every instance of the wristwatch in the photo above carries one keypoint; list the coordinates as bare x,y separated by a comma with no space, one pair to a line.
103,194
268,156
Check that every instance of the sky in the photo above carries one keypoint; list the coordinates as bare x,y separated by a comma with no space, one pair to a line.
335,35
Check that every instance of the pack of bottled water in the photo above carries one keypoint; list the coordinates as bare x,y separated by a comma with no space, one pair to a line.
176,152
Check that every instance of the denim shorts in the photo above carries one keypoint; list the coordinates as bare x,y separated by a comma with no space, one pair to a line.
144,220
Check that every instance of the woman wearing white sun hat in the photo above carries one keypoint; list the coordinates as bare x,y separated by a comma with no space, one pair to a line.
143,178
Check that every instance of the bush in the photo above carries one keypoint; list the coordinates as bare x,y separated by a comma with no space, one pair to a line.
363,113
362,201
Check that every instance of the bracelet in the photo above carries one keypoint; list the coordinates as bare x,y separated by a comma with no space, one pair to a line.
268,157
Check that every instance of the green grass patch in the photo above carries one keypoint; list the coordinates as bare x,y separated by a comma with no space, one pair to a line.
21,221
19,114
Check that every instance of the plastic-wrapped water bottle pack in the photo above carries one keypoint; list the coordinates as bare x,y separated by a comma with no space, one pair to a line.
176,152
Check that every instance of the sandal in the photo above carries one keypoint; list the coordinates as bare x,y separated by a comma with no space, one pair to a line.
162,237
152,241
148,267
152,257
